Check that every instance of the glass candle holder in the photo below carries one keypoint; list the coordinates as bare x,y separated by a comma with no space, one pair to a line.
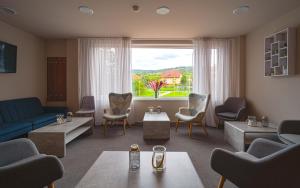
159,158
134,157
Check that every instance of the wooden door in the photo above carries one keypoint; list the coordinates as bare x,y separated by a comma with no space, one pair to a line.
56,79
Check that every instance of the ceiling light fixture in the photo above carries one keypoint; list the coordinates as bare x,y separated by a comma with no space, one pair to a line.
136,8
86,10
241,10
7,11
163,10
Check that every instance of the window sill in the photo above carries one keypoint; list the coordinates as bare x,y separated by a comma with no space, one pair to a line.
160,99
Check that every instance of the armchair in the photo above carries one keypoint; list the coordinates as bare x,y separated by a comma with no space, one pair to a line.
21,165
87,107
233,109
195,111
119,109
289,131
265,164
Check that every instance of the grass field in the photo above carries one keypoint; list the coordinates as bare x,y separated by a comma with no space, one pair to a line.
164,92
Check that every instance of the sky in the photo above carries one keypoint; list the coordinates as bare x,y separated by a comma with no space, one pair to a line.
160,58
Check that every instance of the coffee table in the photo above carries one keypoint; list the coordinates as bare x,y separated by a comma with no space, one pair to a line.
111,170
239,134
52,139
156,125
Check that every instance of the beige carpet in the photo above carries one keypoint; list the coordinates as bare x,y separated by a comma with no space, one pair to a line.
83,152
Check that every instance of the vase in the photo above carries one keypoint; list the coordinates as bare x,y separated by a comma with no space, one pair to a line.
156,94
159,158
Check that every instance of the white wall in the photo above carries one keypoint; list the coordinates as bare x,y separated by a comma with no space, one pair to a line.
30,79
277,98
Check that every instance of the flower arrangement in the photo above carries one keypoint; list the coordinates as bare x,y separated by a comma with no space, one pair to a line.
156,86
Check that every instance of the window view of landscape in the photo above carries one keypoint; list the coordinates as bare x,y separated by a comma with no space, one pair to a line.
171,66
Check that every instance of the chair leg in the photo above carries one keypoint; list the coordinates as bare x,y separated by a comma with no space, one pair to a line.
190,128
221,182
124,126
51,185
204,129
177,124
94,120
105,126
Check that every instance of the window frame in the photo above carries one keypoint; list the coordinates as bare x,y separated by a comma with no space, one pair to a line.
165,44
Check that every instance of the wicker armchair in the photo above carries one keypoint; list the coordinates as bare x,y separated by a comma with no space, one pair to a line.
195,111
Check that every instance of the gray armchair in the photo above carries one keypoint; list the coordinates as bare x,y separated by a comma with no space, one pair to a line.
194,113
233,109
87,107
289,131
21,165
119,109
265,164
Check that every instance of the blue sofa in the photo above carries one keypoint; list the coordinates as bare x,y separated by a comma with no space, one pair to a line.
20,116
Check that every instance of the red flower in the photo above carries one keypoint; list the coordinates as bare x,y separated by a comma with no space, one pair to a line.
156,85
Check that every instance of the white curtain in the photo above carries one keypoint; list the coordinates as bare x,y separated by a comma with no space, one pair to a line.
104,66
215,71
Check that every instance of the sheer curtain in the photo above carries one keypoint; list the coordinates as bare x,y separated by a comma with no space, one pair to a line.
215,71
104,66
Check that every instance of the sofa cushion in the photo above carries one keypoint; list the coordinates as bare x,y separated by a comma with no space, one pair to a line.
7,128
230,115
292,138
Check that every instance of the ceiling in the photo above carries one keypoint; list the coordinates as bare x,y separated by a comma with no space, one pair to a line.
187,19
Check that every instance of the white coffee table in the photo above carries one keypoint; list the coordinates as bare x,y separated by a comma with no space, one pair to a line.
239,134
111,170
156,125
52,139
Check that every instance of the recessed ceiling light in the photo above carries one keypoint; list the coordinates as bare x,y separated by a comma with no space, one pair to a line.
163,10
86,10
7,11
136,8
241,10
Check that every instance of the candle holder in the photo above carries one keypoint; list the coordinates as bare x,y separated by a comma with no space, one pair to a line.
159,158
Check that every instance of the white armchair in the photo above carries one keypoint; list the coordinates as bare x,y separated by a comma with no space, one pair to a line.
195,111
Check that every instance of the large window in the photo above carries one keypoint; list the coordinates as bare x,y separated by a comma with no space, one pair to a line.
173,66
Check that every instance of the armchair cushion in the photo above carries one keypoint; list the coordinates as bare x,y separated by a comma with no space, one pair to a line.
109,116
184,111
290,138
227,115
184,117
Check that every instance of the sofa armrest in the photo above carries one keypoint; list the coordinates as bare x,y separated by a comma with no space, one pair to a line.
34,171
16,150
262,147
289,127
56,109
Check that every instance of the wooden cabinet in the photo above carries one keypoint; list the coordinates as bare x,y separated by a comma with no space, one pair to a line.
56,79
